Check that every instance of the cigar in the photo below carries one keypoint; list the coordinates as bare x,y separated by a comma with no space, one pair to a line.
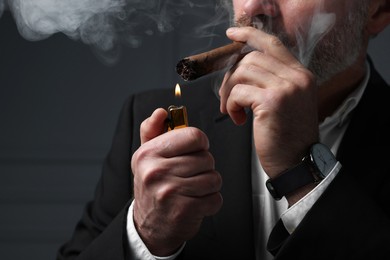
195,66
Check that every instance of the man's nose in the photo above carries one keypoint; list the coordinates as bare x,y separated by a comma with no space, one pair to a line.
261,7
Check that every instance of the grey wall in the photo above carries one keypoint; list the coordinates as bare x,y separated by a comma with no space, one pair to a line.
58,109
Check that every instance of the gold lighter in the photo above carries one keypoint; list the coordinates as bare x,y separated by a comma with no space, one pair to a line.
177,114
177,117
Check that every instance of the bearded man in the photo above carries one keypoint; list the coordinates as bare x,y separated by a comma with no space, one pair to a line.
285,160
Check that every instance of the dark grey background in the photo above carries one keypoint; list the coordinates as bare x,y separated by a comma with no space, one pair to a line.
58,110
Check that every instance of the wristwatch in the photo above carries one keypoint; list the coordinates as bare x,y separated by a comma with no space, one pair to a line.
312,169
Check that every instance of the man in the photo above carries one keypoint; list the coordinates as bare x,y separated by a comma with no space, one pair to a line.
199,192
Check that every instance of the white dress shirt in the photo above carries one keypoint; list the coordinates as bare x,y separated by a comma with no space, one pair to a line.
267,210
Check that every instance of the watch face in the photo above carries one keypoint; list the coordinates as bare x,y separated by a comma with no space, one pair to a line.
323,158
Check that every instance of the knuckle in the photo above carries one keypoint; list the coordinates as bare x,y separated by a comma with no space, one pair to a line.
238,90
216,202
135,160
275,41
163,193
153,175
214,183
239,70
140,155
197,138
217,183
143,125
257,55
211,160
246,68
289,85
304,79
308,78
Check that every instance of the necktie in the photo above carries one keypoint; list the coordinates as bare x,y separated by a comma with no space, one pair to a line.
277,237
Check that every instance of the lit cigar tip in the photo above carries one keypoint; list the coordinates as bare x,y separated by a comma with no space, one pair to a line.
187,69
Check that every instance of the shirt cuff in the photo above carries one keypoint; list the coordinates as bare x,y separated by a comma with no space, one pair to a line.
138,249
294,215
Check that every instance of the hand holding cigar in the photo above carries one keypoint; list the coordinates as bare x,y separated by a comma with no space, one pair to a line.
193,67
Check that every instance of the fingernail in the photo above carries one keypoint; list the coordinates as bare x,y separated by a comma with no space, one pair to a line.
231,30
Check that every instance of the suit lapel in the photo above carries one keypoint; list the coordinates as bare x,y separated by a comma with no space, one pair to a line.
231,147
229,233
367,134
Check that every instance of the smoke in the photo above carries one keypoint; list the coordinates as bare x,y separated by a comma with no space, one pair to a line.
223,15
321,24
105,25
329,45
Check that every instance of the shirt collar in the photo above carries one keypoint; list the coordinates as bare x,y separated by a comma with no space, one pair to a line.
342,113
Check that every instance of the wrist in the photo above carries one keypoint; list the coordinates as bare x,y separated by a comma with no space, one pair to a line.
156,245
138,248
297,195
296,182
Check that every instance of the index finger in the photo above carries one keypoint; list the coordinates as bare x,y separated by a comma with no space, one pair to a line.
264,42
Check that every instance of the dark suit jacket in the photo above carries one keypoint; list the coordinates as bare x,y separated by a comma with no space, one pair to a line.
350,221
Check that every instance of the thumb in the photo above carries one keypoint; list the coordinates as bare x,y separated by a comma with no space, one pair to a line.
154,125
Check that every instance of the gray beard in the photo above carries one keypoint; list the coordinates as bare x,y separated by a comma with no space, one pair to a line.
337,49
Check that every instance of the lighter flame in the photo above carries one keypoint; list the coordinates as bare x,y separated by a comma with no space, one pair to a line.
177,90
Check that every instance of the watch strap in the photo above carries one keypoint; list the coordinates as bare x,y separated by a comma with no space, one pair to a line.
291,179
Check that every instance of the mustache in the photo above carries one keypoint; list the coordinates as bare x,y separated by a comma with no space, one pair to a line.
268,25
259,22
243,21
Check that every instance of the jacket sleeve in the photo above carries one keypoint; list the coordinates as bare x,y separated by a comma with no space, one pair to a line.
345,223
